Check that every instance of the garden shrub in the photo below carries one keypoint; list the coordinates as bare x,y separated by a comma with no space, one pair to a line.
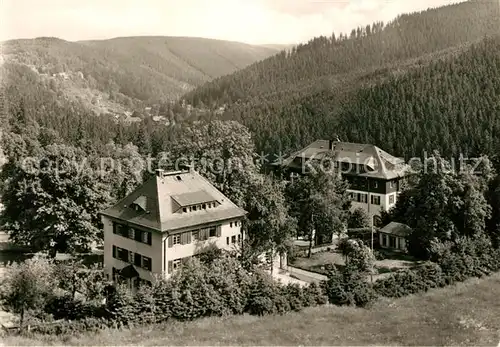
452,262
314,295
227,277
379,255
163,300
121,306
263,295
145,305
295,296
192,296
348,287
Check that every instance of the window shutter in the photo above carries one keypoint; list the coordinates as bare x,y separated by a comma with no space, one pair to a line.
170,242
219,230
137,260
114,251
188,237
149,238
183,238
170,264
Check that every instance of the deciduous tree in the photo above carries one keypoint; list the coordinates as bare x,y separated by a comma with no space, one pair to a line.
320,204
52,201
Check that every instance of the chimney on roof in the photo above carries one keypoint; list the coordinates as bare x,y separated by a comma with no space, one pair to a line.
160,173
332,143
187,167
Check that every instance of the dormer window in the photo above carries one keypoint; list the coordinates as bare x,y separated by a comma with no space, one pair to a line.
194,201
139,204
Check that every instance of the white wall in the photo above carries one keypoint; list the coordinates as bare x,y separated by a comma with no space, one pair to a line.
153,251
373,209
400,242
160,259
181,251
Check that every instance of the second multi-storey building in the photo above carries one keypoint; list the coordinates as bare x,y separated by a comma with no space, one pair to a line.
168,219
375,177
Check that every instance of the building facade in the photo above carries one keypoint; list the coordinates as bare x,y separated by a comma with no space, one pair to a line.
394,236
164,222
375,177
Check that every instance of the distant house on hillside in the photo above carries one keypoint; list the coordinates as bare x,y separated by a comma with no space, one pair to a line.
394,236
167,220
159,119
62,75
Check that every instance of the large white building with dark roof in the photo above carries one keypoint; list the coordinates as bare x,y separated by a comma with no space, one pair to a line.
374,175
168,219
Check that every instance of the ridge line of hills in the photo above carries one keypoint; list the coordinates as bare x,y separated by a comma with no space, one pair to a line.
128,72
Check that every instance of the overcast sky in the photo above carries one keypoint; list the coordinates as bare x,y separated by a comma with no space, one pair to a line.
251,21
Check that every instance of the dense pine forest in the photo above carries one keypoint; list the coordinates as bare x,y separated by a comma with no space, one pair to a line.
424,81
451,106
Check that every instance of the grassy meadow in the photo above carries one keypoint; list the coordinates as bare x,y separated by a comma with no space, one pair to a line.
464,314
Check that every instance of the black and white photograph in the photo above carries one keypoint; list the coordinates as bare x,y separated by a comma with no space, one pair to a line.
250,173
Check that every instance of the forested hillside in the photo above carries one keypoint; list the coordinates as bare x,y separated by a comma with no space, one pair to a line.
148,69
451,105
386,83
45,117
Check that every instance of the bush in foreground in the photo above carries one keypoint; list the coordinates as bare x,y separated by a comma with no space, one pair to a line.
349,287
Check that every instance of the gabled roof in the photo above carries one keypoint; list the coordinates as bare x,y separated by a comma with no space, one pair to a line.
382,164
395,228
161,196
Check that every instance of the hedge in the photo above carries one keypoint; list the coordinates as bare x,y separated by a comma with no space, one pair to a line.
223,287
457,262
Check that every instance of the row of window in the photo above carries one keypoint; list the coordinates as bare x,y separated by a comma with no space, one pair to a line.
235,224
176,264
373,184
388,241
374,199
194,236
199,207
233,239
132,258
131,233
